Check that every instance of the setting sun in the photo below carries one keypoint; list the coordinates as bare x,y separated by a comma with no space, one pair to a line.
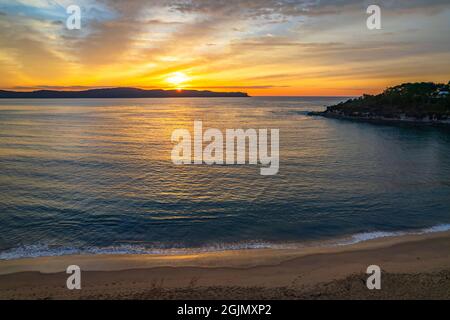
177,78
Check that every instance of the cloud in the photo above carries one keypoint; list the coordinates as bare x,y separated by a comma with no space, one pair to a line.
25,42
254,44
240,87
289,8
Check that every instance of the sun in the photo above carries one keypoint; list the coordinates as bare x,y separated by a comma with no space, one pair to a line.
177,79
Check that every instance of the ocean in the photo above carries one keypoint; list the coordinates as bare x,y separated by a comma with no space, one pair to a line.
96,176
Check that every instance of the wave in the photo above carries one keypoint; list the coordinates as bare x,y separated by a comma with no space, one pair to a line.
366,236
44,250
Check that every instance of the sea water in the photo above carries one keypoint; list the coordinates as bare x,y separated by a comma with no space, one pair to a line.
96,176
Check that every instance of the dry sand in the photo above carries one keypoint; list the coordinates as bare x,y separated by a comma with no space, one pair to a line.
414,267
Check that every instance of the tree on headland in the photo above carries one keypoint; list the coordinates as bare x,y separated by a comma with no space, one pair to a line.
417,100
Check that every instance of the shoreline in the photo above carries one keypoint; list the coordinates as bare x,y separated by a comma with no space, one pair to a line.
276,272
43,251
383,120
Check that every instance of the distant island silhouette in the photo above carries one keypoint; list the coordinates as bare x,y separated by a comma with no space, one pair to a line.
117,93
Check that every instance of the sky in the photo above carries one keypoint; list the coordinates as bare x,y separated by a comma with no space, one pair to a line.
263,47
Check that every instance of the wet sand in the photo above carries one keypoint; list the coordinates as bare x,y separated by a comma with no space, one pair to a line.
414,267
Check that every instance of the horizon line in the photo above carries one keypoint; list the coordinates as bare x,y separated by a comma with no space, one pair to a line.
20,89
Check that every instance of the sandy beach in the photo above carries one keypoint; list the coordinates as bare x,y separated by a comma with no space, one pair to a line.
414,267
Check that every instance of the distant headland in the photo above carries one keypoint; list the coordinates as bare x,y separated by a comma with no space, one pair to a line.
424,102
117,93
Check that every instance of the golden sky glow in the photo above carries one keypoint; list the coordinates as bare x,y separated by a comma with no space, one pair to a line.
263,47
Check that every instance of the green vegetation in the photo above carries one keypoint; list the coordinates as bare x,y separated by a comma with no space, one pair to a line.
425,100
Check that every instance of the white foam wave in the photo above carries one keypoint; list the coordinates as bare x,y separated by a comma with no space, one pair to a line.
365,236
44,250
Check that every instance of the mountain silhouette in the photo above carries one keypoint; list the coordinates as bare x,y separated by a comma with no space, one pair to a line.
116,93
